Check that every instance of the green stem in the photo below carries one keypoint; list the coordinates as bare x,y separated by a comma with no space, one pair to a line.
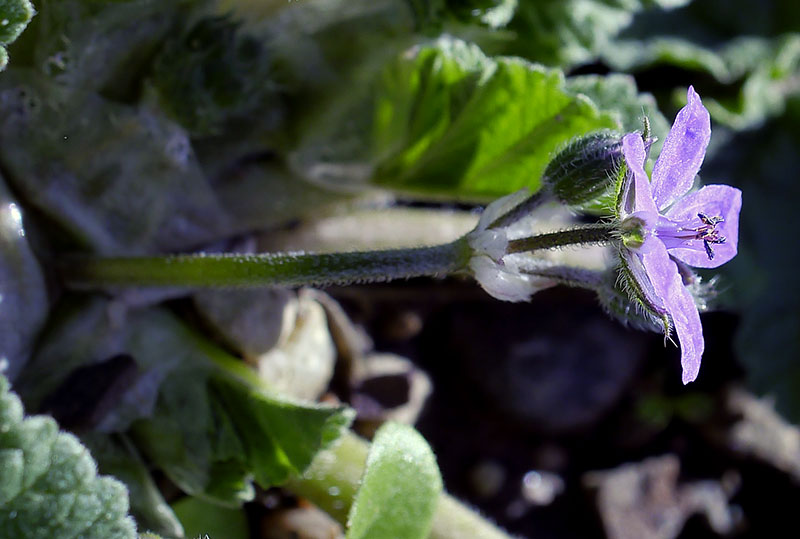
598,233
340,468
278,269
567,275
524,208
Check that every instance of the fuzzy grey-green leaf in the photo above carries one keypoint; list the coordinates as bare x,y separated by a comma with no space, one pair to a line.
49,484
400,488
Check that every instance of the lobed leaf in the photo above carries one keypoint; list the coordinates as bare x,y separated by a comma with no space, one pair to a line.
49,485
453,122
569,32
194,411
450,122
754,55
116,455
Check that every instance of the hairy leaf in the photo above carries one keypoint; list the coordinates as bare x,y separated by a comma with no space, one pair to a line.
116,455
100,45
117,178
400,488
14,18
210,73
569,32
49,486
745,64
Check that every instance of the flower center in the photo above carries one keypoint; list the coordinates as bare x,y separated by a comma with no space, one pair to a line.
675,235
708,232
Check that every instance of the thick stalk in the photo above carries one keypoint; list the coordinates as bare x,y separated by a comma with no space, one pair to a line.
278,269
339,469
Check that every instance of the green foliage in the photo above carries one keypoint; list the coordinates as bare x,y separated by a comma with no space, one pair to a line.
400,488
127,178
278,437
492,13
100,45
753,55
452,122
448,121
201,518
618,95
568,32
154,126
49,484
761,71
210,73
14,17
117,456
194,411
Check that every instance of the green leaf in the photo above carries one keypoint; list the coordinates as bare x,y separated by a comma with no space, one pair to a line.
492,13
278,437
197,413
49,484
569,32
116,456
210,73
618,95
14,18
400,489
752,56
200,517
450,121
761,72
117,178
101,46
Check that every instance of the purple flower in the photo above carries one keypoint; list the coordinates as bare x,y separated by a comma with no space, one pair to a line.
666,228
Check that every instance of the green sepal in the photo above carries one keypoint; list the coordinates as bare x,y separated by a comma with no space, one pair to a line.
628,299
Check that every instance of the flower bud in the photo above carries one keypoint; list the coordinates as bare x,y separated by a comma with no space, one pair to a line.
585,169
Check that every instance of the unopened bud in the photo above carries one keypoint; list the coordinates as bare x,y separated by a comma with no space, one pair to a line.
586,169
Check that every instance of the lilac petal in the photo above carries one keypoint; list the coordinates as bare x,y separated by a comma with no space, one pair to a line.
714,201
637,195
683,152
667,282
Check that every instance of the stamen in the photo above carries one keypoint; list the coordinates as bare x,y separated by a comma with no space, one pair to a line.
708,233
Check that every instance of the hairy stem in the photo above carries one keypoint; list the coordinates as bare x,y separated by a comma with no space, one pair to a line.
276,269
566,275
598,233
521,210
